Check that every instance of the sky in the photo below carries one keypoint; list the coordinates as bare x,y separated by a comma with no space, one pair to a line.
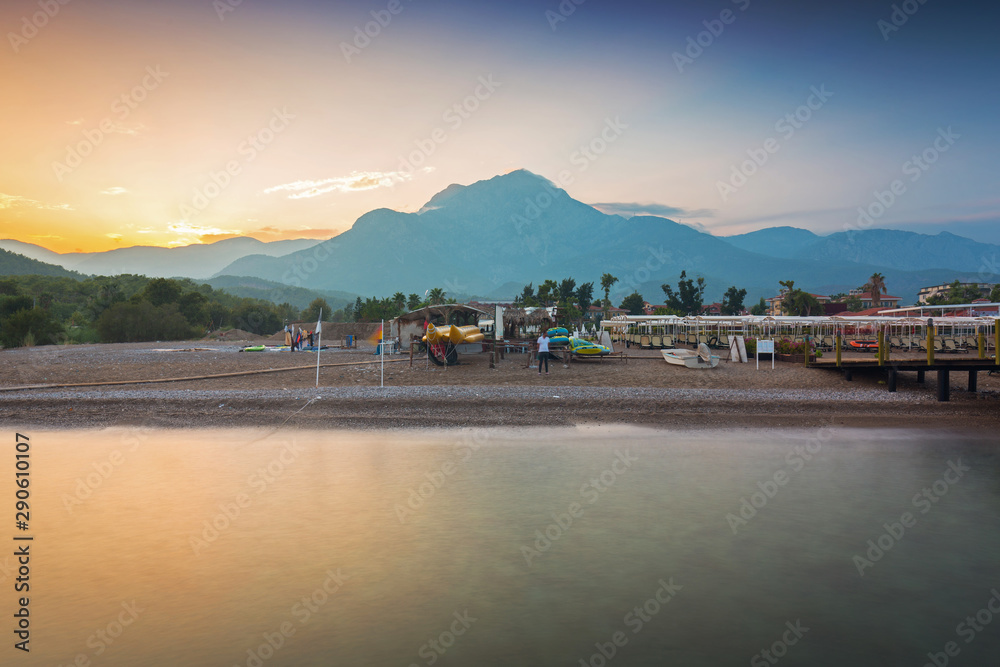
170,123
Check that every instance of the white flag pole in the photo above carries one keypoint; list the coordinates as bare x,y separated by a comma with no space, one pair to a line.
319,342
381,348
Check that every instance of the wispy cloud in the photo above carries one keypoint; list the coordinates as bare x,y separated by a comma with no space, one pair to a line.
114,191
629,209
16,201
358,181
78,121
185,229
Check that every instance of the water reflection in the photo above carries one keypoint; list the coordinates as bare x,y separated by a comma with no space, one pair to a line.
544,547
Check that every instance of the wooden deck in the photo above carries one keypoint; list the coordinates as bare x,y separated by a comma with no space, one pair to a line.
942,364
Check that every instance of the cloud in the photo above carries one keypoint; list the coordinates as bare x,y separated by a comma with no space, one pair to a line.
78,121
629,209
114,237
358,181
188,234
16,201
114,191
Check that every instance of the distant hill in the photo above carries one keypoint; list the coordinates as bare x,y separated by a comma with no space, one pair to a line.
197,261
494,235
13,264
907,251
774,241
258,288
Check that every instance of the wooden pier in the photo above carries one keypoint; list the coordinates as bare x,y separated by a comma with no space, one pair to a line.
943,366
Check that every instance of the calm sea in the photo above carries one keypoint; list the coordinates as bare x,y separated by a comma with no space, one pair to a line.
570,546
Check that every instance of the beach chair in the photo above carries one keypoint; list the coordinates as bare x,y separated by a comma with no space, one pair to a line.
921,343
668,341
829,342
895,341
702,338
656,341
949,345
644,341
938,344
972,342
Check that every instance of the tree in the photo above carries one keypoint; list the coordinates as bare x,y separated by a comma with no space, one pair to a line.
995,293
194,307
732,301
527,296
760,308
357,309
633,303
876,285
547,291
400,300
853,303
566,289
413,301
585,297
436,295
35,325
607,280
315,308
129,322
162,290
688,299
257,317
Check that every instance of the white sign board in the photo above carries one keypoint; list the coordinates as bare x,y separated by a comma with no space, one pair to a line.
765,347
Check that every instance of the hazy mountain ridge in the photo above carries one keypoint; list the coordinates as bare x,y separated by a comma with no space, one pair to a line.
198,261
519,228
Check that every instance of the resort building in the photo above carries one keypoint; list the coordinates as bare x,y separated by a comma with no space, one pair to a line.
774,303
927,293
885,300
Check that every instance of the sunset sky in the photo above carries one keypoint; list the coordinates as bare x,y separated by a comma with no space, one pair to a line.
168,123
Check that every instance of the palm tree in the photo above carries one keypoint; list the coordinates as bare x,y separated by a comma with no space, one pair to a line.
876,285
400,300
607,280
436,295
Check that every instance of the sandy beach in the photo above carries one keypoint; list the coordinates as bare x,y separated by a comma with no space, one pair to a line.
639,390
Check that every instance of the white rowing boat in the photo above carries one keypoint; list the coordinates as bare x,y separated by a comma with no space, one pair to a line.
703,358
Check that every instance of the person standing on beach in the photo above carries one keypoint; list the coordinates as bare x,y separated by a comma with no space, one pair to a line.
543,352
